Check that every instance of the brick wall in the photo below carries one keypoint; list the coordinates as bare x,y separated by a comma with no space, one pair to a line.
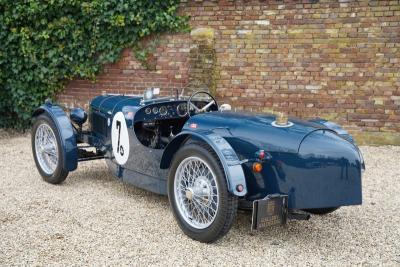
334,59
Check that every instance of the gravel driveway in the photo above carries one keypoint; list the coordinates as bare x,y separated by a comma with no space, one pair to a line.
93,219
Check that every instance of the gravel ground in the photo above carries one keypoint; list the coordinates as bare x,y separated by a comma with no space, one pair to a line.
93,219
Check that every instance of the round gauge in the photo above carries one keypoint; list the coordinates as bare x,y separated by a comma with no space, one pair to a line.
155,110
181,109
163,110
147,111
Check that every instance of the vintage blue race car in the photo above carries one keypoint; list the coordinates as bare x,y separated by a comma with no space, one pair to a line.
209,160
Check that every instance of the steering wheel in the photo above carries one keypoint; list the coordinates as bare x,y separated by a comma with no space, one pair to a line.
203,109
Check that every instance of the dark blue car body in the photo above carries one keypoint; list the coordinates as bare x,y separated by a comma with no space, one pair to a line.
315,163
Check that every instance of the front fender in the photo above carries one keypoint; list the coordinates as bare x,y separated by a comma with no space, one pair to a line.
65,131
230,162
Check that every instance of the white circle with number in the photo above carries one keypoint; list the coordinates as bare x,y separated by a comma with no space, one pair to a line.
120,138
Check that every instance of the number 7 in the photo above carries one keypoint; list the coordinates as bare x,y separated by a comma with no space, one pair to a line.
119,134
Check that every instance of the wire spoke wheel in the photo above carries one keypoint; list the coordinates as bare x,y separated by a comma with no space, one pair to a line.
46,148
196,192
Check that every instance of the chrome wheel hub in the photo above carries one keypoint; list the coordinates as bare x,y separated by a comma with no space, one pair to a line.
196,192
46,148
189,194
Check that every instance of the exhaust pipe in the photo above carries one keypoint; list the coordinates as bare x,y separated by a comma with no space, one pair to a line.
298,215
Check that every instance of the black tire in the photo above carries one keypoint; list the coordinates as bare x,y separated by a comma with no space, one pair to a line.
59,174
228,203
322,211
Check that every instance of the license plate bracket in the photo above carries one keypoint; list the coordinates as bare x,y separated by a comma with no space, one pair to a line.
271,210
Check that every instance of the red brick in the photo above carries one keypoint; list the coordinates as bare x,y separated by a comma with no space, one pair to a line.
348,59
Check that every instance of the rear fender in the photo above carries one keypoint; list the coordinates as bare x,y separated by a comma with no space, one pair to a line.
336,128
65,131
230,162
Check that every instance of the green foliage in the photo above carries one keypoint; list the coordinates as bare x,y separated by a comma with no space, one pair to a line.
144,52
43,44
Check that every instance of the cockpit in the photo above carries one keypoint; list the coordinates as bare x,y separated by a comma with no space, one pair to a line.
161,118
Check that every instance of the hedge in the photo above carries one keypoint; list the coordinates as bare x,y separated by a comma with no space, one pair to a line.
43,44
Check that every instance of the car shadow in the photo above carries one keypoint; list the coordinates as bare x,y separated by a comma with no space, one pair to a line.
314,230
99,174
294,231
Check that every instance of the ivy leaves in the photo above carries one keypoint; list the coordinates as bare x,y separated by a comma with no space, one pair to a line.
46,43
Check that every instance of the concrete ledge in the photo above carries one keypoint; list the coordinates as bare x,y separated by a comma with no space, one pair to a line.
377,138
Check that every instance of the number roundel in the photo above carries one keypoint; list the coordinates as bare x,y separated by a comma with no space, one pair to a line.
120,138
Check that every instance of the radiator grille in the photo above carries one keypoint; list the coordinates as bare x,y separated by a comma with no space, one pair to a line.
99,123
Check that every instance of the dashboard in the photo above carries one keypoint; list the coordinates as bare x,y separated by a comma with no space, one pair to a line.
167,110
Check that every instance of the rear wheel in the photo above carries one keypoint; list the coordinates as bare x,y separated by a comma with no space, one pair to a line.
47,150
322,211
198,193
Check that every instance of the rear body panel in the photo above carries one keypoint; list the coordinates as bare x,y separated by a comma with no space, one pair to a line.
310,163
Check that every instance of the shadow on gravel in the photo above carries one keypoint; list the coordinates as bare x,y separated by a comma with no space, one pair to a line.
102,175
98,174
294,231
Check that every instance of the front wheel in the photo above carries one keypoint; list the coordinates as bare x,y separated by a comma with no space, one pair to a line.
198,193
47,150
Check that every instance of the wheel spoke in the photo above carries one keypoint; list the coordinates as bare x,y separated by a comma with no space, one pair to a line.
46,148
204,206
196,192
